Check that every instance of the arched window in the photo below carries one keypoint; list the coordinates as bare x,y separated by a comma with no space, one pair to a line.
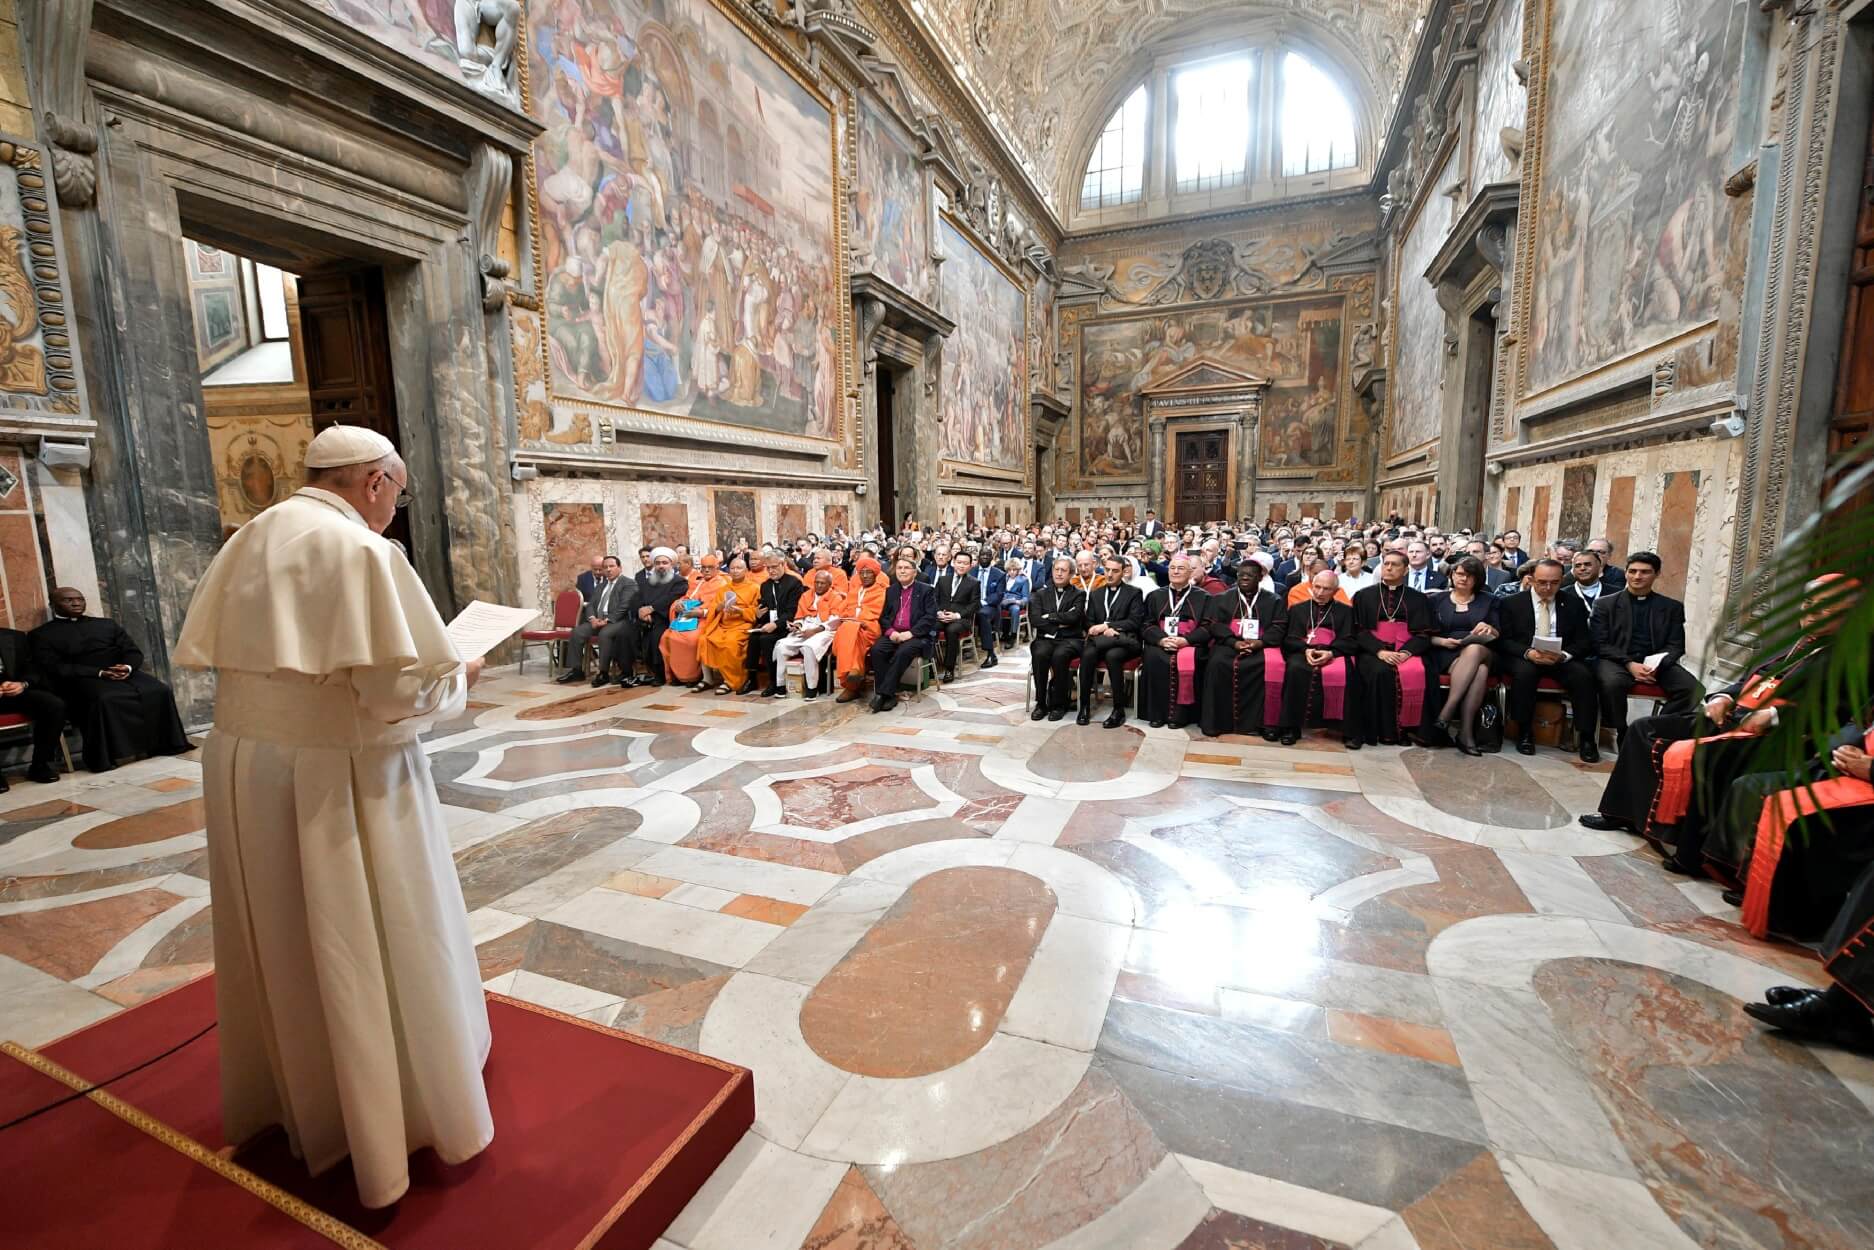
1317,120
1211,104
1116,170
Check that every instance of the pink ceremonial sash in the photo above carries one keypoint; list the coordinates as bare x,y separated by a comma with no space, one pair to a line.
1411,674
1185,662
1333,677
1274,672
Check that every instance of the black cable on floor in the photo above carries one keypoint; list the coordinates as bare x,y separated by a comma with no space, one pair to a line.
90,1089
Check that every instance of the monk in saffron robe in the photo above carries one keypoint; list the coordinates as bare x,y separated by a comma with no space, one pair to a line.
725,628
1244,676
1318,648
1393,626
858,626
681,641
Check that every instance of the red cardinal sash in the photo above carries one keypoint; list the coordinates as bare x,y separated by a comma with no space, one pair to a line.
1333,677
1395,634
1184,661
1783,809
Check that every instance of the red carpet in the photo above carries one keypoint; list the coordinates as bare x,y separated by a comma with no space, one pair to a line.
600,1140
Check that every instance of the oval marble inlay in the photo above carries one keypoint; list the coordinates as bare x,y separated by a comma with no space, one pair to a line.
155,825
928,983
1489,791
1073,753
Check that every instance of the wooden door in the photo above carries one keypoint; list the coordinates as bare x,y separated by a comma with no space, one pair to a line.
346,339
1203,477
1853,417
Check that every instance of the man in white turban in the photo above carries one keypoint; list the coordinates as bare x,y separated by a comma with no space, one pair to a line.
350,1004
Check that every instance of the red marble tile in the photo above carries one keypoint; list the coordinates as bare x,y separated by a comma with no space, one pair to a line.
1619,526
169,785
926,986
1226,1230
1512,506
767,910
147,983
770,848
505,953
1087,753
144,827
1143,987
1538,535
526,761
848,797
25,573
642,884
579,705
1393,1037
854,1219
1474,1209
68,941
191,942
673,1016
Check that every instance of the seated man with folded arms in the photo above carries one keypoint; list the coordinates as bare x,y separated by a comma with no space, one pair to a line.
1319,682
1115,615
1243,678
1639,636
1545,634
809,635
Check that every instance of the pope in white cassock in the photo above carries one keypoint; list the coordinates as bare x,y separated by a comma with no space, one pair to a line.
350,1003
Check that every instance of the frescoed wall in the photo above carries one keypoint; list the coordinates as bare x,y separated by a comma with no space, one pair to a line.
985,393
1417,383
1501,100
1630,219
891,215
687,220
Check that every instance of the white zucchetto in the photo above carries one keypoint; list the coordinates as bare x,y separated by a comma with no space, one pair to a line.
340,445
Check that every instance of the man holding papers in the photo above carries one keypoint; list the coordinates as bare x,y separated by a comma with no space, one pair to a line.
1545,634
350,1004
1639,636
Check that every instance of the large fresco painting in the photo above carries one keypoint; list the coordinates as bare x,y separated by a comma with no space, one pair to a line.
1501,100
985,400
1416,388
686,196
1631,217
891,223
1295,343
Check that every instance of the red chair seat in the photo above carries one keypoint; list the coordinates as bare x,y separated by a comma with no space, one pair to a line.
546,635
13,720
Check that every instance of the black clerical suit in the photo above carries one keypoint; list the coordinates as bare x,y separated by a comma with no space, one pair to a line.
37,703
118,718
779,597
1379,681
1231,694
890,659
1158,675
1123,608
1627,630
1058,617
658,598
962,594
614,602
1568,619
1303,700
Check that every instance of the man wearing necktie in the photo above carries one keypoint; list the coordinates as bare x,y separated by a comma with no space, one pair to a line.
609,618
1545,611
1420,575
959,595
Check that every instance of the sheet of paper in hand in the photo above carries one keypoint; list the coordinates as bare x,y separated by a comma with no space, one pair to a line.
482,626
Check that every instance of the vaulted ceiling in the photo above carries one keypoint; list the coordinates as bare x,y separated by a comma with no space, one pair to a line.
1046,71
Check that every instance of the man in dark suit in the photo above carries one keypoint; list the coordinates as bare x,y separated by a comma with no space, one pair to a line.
662,587
774,613
995,584
1153,527
24,692
1057,612
1115,617
589,580
906,630
1493,577
1421,574
1612,577
1514,557
610,617
97,668
959,595
1544,611
1628,628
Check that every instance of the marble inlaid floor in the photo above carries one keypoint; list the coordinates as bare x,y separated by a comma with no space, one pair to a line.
1009,985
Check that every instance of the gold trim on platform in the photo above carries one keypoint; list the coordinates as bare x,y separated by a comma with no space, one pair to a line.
738,1075
335,1231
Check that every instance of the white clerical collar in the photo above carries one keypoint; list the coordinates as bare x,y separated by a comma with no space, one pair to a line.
337,502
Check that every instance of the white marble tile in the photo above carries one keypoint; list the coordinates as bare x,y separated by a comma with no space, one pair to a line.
728,940
563,884
762,1197
707,897
488,923
755,1021
1039,819
1506,950
1064,994
1408,996
814,944
1586,1210
1081,887
468,827
1708,897
1313,1211
1557,885
36,1007
911,863
574,1000
1284,1014
741,875
1741,978
502,984
1158,1215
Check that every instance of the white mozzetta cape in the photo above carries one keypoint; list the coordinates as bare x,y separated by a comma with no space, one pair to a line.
350,1004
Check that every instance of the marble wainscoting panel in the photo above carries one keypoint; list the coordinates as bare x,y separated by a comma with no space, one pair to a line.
1078,1162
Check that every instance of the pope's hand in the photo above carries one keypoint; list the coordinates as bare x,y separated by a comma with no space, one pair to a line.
474,668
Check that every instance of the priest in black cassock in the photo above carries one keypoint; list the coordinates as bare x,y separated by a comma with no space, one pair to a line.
1318,649
121,710
1392,631
1245,672
1173,640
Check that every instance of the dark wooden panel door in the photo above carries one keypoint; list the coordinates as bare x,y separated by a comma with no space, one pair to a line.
1853,417
1203,477
346,339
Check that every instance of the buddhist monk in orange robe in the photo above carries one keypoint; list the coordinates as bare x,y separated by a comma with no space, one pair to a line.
725,628
858,625
681,648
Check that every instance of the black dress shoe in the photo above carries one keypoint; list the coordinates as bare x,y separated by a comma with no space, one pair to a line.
1058,715
1389,741
1830,1017
598,681
1525,747
1784,995
1290,737
774,692
43,774
809,694
1039,713
567,679
1084,718
1735,898
1468,749
1590,754
950,676
1114,721
876,702
1352,744
1673,864
748,687
1270,735
891,701
1157,724
989,661
1605,824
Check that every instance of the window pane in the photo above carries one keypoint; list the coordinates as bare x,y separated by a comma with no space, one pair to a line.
1211,145
272,302
1116,170
1317,121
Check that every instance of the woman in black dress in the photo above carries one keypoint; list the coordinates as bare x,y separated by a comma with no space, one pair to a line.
1462,649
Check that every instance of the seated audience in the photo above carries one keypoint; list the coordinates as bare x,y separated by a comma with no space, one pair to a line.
589,580
1463,638
1015,590
724,647
1392,632
1639,636
809,635
1318,650
1586,583
95,667
24,691
682,642
1353,575
959,595
774,617
989,608
1115,615
659,588
610,620
1244,675
1057,615
859,614
1172,643
1545,634
909,622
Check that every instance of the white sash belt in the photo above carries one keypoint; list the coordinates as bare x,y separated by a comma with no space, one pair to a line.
296,710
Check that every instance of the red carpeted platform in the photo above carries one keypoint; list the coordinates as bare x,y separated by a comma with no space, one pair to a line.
600,1140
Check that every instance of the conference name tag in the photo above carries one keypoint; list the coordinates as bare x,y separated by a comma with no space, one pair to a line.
1249,629
1171,624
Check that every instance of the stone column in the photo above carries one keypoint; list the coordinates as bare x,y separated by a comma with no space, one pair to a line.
1155,461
